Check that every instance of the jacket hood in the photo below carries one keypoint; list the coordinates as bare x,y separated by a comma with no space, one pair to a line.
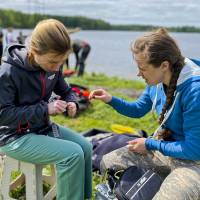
17,55
189,73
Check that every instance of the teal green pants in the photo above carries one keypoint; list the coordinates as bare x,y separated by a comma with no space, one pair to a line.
71,156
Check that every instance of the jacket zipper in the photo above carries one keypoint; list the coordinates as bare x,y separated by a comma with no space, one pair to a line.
43,84
43,92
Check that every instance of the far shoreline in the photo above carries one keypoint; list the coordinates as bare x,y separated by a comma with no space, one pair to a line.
22,20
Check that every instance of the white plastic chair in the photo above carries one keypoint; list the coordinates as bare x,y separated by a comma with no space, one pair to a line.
31,175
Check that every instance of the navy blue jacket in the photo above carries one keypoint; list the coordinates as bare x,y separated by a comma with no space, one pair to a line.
24,93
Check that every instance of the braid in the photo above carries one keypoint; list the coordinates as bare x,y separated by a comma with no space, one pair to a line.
176,69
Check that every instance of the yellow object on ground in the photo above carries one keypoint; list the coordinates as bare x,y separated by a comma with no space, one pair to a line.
120,129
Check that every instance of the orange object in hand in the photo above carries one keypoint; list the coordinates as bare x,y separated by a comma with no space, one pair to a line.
86,93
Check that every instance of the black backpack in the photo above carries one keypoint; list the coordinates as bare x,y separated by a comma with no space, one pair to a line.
133,184
137,184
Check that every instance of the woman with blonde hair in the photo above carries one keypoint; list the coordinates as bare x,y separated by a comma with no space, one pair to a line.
173,91
28,77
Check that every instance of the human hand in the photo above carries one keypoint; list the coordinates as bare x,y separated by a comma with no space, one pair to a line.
101,95
71,109
138,146
57,107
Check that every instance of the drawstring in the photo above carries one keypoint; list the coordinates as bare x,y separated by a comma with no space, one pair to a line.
166,116
155,99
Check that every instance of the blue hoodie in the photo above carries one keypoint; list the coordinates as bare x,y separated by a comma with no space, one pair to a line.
183,118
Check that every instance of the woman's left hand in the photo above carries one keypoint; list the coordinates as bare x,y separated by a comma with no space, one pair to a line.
138,146
71,109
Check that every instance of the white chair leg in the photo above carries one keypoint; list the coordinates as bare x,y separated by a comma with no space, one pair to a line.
33,179
31,175
8,166
50,180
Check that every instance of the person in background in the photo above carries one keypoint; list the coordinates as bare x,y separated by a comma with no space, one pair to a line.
81,50
21,38
1,44
28,77
10,37
173,90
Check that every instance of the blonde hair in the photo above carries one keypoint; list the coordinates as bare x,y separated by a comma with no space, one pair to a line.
50,36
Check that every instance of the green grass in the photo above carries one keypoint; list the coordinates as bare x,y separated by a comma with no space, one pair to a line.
101,116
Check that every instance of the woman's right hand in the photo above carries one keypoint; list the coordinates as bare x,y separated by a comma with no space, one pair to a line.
101,95
57,107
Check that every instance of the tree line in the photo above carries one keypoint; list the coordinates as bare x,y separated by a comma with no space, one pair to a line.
16,19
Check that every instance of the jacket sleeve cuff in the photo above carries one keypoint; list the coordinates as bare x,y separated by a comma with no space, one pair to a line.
114,101
152,144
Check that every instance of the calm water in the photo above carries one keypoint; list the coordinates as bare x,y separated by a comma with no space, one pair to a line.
110,53
111,50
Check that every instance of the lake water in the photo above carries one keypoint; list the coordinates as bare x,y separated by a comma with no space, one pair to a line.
110,53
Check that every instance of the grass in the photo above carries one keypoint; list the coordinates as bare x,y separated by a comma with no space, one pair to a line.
101,116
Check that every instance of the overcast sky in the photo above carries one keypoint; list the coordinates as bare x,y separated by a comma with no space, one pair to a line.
156,12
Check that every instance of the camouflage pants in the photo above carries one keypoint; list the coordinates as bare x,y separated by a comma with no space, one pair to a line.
182,180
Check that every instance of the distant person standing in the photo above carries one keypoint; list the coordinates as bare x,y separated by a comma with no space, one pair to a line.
81,50
9,37
21,38
1,45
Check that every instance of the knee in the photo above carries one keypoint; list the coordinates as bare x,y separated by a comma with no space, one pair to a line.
75,157
78,154
179,185
187,180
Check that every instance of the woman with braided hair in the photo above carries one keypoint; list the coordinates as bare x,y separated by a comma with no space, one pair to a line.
173,91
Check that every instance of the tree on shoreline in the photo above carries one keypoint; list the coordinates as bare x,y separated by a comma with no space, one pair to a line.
22,20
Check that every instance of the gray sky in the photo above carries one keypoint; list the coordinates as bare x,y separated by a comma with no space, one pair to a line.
156,12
